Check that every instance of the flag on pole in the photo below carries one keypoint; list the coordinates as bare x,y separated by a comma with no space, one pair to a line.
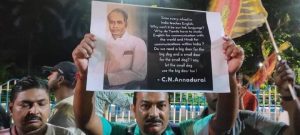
229,10
252,15
239,16
268,67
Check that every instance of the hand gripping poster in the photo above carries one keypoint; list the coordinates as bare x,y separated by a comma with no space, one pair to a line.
142,48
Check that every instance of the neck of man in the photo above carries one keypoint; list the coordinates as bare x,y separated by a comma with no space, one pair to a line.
115,36
62,93
40,131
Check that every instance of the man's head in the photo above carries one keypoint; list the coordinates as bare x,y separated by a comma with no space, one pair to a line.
30,104
151,110
62,74
117,21
211,99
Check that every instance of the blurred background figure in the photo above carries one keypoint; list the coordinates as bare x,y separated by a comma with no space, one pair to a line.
4,119
247,100
61,82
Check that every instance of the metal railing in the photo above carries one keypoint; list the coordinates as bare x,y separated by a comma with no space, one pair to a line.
188,105
5,89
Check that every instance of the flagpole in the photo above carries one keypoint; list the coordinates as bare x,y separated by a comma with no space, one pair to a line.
291,89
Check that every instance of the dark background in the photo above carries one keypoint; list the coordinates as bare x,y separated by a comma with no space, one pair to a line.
34,33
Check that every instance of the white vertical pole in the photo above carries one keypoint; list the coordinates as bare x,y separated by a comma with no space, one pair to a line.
180,107
174,107
193,107
129,116
270,95
186,109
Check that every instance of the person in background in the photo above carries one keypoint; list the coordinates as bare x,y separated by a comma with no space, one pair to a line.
61,82
247,99
104,99
30,107
253,123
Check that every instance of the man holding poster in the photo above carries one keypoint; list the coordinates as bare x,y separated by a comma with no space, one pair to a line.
126,60
151,110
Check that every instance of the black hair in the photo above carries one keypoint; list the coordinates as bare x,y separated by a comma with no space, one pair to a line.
135,97
118,10
27,83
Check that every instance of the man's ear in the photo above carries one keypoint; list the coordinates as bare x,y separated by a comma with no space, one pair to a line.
11,104
60,79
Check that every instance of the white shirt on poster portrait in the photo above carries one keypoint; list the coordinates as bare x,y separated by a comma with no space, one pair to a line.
126,59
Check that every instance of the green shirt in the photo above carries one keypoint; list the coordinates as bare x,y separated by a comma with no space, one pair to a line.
189,127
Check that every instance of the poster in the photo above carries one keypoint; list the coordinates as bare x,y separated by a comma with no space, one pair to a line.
142,48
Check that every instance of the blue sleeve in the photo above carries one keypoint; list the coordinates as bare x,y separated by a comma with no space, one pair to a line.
201,126
106,127
112,128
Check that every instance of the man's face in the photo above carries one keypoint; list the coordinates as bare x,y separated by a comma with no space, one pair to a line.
30,109
53,79
152,112
211,99
117,24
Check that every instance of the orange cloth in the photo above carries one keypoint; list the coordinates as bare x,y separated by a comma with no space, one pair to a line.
250,101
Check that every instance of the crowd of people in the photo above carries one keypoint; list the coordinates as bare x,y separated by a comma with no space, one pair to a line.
78,111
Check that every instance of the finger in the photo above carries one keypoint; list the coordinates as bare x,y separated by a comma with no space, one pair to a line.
83,52
88,41
236,51
88,49
228,43
280,64
90,36
283,67
229,51
77,53
287,76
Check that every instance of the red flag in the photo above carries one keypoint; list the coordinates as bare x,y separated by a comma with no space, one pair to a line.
239,16
261,76
229,10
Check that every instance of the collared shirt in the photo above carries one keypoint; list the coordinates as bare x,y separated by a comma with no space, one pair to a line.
104,99
126,60
247,122
189,127
63,115
51,130
250,101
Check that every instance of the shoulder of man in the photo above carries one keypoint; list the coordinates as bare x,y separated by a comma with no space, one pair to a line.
113,128
137,39
197,126
56,130
253,122
5,131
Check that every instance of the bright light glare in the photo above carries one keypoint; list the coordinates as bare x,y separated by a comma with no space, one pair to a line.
260,64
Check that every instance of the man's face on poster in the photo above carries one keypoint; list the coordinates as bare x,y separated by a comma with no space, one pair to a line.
117,24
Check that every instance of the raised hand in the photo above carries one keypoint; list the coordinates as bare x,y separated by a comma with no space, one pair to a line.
234,55
83,51
283,76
